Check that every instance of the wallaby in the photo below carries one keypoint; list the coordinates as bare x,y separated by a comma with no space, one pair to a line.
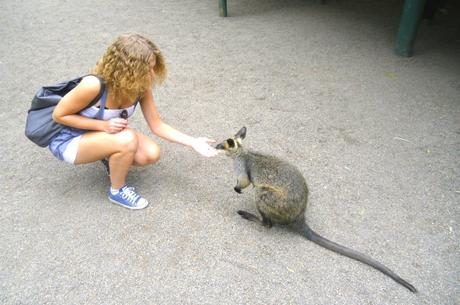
281,197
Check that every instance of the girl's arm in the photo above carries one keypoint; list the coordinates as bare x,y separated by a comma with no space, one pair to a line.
165,131
66,111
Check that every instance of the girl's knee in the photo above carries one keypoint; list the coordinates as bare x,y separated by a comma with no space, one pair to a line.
154,154
150,155
127,140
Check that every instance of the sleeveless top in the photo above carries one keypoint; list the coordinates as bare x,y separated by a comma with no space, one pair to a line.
101,113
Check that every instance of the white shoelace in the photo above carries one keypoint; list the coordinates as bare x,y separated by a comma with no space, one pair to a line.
129,194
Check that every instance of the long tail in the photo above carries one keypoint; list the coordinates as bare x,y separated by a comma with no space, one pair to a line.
318,239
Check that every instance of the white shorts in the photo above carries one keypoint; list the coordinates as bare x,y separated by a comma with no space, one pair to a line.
64,145
70,152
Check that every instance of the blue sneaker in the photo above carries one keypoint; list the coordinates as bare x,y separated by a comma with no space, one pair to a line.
128,198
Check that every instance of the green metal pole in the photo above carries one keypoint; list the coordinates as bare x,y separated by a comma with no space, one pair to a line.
223,8
410,19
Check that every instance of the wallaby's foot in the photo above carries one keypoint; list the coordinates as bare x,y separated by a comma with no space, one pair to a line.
251,217
266,221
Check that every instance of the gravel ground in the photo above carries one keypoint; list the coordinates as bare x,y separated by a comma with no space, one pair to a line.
376,136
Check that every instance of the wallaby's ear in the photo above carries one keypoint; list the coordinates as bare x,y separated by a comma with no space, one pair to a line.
241,134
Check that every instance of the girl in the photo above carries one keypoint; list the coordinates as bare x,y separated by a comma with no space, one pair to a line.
129,69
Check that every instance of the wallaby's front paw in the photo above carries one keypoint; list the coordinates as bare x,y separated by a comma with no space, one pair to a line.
248,216
244,214
237,189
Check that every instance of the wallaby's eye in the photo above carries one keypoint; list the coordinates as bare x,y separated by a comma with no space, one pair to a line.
231,143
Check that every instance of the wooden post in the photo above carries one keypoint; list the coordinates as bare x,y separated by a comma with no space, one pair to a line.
223,8
410,20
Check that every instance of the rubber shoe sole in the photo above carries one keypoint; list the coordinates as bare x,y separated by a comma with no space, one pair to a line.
137,207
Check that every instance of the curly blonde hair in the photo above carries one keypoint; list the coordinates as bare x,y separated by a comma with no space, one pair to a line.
126,66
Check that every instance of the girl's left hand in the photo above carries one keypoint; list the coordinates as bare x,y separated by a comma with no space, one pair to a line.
203,147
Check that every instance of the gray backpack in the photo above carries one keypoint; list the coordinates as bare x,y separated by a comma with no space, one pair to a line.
40,126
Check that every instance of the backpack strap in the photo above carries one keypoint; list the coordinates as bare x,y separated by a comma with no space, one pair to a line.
100,113
102,96
101,91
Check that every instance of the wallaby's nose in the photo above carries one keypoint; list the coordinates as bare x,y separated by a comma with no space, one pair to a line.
220,146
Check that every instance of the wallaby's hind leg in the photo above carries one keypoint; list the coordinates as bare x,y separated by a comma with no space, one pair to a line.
251,217
266,221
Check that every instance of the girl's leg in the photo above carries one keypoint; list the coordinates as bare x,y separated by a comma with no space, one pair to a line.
148,152
120,147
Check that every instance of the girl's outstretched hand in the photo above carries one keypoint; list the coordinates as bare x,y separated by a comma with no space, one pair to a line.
203,147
